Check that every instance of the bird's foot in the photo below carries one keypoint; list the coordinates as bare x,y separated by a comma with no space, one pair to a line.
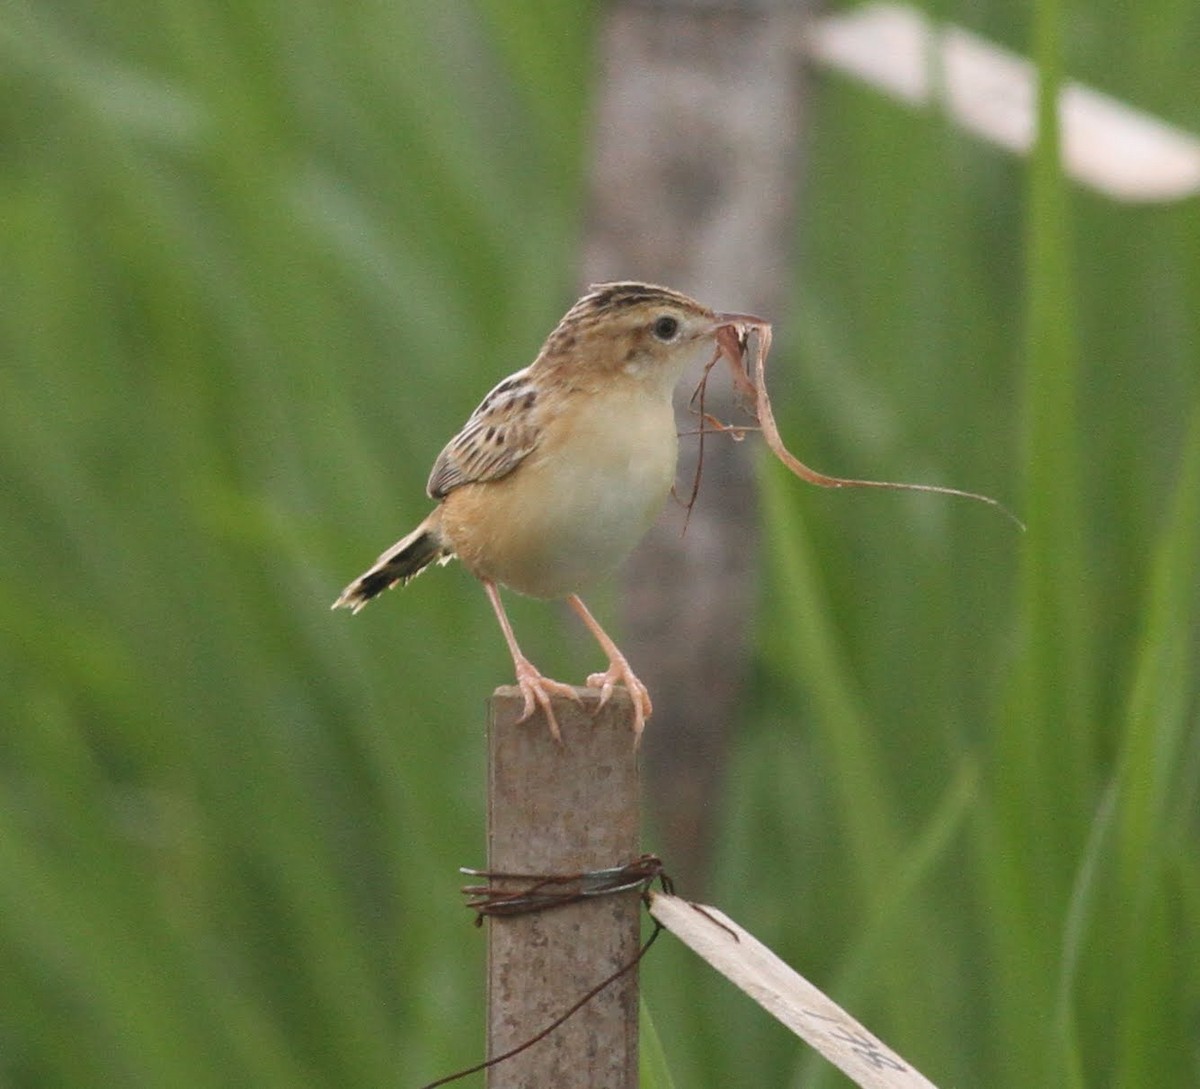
619,672
537,691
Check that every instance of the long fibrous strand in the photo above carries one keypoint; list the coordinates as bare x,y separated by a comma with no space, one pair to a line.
732,342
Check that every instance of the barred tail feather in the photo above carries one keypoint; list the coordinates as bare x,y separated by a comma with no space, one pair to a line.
401,563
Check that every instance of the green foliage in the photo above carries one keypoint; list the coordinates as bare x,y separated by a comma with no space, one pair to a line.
653,1072
254,258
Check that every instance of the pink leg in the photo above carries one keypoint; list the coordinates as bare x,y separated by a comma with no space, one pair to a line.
534,687
619,671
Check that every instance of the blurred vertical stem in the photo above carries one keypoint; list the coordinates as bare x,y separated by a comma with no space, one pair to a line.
652,1065
1053,694
1043,748
1156,1034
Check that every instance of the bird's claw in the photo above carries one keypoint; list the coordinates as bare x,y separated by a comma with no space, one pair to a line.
537,690
606,683
618,672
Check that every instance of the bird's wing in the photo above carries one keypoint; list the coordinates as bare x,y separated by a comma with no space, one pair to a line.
500,434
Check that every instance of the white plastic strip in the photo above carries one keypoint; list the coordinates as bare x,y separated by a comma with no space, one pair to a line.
1124,153
785,994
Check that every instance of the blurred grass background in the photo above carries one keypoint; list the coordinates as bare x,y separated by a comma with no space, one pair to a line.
258,262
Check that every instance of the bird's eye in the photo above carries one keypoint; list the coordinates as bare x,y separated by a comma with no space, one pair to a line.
666,327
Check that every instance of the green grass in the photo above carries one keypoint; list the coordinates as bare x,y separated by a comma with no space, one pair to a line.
252,258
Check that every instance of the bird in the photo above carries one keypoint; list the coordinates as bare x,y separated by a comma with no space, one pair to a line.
557,475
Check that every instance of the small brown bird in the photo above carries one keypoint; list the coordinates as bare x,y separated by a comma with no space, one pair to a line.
561,469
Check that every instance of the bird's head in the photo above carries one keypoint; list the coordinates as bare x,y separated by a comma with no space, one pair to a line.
633,330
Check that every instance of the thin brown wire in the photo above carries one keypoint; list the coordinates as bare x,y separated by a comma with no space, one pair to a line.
548,891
